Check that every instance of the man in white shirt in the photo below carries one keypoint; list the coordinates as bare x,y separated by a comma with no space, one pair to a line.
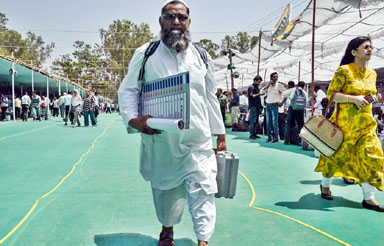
273,91
97,108
67,99
76,105
243,105
61,105
25,103
320,95
180,166
45,106
298,98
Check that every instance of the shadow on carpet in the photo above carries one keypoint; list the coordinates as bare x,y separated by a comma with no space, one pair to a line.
315,202
134,239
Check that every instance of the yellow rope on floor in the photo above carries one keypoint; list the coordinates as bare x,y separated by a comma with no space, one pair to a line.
285,216
22,133
57,186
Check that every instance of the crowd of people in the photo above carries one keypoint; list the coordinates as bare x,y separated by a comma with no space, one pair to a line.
70,106
359,160
272,108
284,108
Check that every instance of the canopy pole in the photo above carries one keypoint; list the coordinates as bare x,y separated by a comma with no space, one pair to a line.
258,58
59,87
33,82
13,91
226,80
48,109
66,86
230,62
313,58
265,74
298,79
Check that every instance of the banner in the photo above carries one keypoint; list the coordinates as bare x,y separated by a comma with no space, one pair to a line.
289,28
283,22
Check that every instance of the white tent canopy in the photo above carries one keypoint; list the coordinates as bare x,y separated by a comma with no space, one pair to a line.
337,22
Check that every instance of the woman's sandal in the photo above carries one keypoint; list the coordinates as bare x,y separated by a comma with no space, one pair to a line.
326,196
166,239
348,181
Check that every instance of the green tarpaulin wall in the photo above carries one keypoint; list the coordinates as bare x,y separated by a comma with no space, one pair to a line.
23,81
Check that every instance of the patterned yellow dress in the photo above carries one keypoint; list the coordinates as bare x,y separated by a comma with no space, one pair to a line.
360,156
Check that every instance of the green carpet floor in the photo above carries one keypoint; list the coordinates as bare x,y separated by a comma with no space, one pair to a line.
81,186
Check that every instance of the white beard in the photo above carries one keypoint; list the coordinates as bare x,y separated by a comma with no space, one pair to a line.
176,39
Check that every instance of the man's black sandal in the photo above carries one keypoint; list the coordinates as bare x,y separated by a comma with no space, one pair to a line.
166,239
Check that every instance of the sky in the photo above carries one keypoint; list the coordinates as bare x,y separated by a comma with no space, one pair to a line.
65,21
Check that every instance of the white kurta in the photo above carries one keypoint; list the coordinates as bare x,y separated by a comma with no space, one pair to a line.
168,159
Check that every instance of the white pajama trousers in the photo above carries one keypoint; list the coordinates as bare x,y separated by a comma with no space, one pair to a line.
368,190
170,204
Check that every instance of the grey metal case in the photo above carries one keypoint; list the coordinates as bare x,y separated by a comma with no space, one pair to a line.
227,169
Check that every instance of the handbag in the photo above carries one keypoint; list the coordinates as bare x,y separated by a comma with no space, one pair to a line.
322,134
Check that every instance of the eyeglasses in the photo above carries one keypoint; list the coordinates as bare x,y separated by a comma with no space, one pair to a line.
172,17
275,76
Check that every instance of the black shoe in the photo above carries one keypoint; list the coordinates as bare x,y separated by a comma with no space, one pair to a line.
166,239
269,140
286,143
275,141
252,137
324,195
377,208
257,136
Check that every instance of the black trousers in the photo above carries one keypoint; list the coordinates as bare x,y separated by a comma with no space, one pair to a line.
282,119
3,110
294,117
25,112
67,107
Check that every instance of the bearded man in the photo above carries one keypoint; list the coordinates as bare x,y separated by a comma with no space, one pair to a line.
181,167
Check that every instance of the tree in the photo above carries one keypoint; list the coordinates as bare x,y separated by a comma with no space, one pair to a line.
209,46
119,43
102,67
37,48
241,42
65,67
32,48
86,66
3,21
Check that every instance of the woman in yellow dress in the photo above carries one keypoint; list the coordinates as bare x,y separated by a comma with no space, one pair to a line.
360,156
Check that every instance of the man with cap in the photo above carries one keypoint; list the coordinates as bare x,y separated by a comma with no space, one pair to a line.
181,167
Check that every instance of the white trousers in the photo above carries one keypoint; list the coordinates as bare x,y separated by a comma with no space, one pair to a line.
235,114
170,204
368,190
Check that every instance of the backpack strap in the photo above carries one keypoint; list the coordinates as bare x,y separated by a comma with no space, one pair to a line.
203,54
152,47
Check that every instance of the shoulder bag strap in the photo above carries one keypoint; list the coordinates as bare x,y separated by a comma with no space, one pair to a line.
329,105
